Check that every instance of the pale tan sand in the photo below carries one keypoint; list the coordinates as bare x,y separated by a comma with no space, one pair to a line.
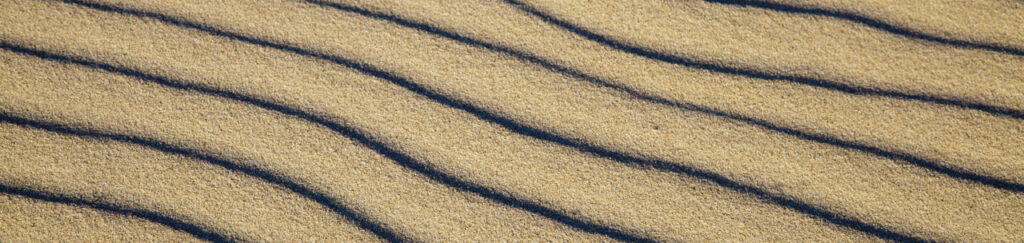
26,219
806,45
988,21
193,191
360,178
885,123
525,168
881,192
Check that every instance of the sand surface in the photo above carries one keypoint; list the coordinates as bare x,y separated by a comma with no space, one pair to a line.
514,120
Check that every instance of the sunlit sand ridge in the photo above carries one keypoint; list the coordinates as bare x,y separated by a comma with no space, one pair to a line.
510,120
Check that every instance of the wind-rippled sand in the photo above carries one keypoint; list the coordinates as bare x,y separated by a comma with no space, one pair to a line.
586,120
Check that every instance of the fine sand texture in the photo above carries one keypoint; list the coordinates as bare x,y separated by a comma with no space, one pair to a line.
511,120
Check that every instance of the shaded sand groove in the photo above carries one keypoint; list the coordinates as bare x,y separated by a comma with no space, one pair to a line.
533,132
758,74
883,23
403,159
250,171
256,171
167,221
435,140
971,78
980,24
42,219
902,137
954,172
73,171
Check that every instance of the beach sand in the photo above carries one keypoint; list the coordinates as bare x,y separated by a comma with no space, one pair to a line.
482,121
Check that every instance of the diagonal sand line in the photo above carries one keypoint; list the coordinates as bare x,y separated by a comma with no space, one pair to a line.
877,24
155,217
816,82
264,175
360,136
107,53
950,171
514,126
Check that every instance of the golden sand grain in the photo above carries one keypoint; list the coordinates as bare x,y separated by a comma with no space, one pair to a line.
458,141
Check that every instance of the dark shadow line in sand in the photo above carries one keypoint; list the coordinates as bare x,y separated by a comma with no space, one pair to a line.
154,217
267,176
359,136
819,138
815,82
517,128
874,23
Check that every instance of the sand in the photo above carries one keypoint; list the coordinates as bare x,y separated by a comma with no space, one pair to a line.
510,121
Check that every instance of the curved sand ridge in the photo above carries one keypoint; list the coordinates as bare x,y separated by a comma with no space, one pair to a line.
486,121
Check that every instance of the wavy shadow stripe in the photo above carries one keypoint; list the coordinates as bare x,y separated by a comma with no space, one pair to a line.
751,73
877,24
819,138
267,176
251,171
154,217
360,136
541,134
516,127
